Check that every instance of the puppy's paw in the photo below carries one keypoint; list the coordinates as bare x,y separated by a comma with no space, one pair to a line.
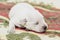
11,31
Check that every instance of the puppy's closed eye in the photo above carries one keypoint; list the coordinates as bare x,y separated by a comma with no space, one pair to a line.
36,23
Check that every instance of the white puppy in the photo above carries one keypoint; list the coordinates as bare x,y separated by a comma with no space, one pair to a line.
25,15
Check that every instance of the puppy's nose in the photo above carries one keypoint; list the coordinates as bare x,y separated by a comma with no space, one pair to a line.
45,27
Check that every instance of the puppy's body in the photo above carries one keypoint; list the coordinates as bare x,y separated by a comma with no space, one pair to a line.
25,15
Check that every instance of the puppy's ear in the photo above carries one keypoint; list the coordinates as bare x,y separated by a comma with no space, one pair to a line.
25,20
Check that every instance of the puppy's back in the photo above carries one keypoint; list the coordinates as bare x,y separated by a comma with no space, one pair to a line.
20,7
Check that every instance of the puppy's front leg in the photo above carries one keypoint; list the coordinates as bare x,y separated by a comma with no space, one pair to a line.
11,28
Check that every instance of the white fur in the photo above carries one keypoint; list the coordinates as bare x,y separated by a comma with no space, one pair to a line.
22,12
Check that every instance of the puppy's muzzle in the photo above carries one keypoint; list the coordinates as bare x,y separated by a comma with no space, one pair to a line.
44,28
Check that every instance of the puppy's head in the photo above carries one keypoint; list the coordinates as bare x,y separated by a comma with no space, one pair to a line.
38,26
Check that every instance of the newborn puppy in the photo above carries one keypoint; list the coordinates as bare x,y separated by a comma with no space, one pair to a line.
25,15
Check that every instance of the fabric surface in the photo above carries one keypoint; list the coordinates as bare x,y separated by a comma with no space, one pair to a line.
52,19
